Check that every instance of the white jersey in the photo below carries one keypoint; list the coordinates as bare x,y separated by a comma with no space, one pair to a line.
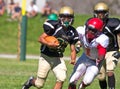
90,49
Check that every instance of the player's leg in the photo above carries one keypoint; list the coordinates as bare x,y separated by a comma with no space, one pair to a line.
78,71
60,73
111,63
102,77
72,86
89,76
28,83
76,75
103,84
43,69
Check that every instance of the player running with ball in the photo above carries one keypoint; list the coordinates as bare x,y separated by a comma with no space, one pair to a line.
51,54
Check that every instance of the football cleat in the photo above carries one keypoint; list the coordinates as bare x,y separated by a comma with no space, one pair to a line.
28,83
72,86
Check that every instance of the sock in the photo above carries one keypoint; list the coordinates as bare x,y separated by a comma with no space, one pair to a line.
103,84
72,86
82,85
111,82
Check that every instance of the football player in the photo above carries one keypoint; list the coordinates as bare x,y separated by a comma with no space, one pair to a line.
51,54
111,29
94,50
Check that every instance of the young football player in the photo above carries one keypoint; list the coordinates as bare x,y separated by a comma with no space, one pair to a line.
51,54
111,29
94,44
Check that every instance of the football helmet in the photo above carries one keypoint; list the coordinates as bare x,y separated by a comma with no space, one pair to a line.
95,23
93,28
66,15
101,11
52,16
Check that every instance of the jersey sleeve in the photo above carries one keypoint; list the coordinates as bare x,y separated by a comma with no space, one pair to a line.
49,27
81,30
103,40
114,25
101,50
72,35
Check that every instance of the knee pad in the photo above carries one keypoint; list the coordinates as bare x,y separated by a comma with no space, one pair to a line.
90,74
39,83
102,74
61,77
60,73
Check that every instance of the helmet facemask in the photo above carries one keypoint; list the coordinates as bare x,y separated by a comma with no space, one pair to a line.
66,20
101,14
66,16
93,29
91,33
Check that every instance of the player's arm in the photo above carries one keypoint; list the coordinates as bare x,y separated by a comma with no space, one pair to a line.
73,54
117,30
117,53
102,45
49,29
42,40
101,52
78,46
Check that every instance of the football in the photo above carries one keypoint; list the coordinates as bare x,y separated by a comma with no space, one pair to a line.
52,39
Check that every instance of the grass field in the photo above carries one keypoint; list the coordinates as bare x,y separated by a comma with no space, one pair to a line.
14,73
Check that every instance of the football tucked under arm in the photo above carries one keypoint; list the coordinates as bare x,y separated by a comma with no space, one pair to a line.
52,41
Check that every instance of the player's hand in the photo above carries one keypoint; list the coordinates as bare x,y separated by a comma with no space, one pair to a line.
53,45
72,62
77,49
116,54
98,62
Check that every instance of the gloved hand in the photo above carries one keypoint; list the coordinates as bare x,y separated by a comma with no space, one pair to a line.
77,49
116,54
97,62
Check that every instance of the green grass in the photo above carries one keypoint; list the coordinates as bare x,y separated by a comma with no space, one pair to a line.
14,73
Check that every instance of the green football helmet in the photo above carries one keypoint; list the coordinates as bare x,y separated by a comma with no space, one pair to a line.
52,16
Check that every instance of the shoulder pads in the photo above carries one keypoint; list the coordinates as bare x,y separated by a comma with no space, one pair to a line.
113,23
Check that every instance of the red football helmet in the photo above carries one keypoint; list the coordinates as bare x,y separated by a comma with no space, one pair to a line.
95,23
93,28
